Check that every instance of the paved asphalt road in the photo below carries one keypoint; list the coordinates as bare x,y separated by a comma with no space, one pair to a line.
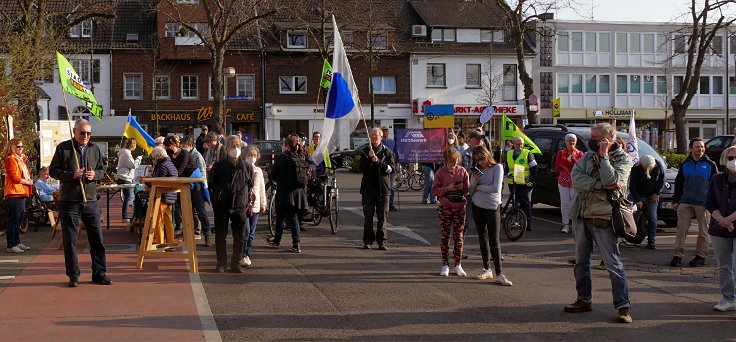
335,290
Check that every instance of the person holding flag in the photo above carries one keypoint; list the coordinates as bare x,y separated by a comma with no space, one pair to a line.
521,165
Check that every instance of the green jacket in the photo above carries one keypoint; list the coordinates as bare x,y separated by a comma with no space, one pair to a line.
590,200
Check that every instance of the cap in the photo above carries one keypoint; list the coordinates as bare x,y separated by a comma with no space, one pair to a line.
384,128
205,127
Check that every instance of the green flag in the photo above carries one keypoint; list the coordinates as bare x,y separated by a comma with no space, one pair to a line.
509,131
326,79
72,84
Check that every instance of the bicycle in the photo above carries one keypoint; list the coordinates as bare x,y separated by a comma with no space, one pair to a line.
416,180
323,198
513,220
402,178
271,199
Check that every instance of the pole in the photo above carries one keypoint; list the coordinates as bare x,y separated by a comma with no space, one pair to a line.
76,157
728,84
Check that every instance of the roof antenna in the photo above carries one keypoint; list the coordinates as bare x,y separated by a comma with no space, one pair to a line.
592,9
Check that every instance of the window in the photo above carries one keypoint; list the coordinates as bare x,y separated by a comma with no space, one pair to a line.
171,29
679,43
716,45
679,80
436,34
577,41
635,42
732,45
563,83
648,42
604,42
661,85
436,75
509,82
384,85
161,87
576,83
498,36
83,30
293,84
212,88
132,86
704,85
244,86
718,85
634,84
731,85
486,36
380,41
86,69
661,43
621,42
590,84
399,123
472,75
187,1
621,84
604,84
440,34
648,84
189,87
347,38
563,41
296,40
590,41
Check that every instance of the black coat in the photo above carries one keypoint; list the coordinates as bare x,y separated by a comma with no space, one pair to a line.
64,163
642,187
230,185
376,179
285,196
184,163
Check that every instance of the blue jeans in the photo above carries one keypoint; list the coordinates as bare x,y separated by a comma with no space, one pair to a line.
250,234
289,215
607,242
127,197
428,180
15,207
89,213
468,214
199,209
725,253
391,187
650,210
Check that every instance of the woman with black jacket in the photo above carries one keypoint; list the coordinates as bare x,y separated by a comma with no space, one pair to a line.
230,183
645,184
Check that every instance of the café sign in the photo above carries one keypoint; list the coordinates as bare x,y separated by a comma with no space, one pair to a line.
609,113
202,114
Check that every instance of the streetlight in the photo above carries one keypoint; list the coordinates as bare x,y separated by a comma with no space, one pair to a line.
228,72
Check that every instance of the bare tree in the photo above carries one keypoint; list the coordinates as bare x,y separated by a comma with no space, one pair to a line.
226,20
491,85
706,20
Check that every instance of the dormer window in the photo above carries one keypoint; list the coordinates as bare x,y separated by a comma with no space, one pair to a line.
347,39
379,41
496,36
83,30
296,40
443,34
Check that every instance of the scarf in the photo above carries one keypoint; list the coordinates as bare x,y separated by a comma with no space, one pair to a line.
23,167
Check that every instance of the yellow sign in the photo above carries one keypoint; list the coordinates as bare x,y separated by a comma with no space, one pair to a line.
203,114
556,108
519,174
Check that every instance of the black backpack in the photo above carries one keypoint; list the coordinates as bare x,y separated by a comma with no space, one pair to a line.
296,175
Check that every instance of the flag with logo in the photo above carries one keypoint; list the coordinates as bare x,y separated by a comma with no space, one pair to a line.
135,131
342,111
326,79
632,146
72,84
509,130
556,108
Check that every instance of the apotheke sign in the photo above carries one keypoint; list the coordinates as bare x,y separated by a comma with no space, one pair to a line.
473,109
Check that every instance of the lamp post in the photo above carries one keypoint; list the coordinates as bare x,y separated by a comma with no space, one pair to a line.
228,72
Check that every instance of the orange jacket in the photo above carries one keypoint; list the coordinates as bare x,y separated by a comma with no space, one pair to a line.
13,175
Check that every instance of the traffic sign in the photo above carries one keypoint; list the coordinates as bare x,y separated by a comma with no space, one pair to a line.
533,99
487,114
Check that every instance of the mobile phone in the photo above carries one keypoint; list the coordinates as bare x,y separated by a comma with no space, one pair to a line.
476,169
458,183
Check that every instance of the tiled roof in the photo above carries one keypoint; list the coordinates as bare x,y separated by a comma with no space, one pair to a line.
134,17
459,13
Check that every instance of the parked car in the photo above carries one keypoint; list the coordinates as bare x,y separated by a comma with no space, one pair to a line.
345,158
714,147
551,138
268,149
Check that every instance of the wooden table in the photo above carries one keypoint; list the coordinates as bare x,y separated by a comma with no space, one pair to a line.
159,186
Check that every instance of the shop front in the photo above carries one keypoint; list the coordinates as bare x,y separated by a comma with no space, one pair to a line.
652,125
188,122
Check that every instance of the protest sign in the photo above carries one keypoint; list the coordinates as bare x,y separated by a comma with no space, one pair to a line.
420,145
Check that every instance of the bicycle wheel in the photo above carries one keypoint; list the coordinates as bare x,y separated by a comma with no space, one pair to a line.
24,224
272,215
417,181
334,212
316,215
514,224
402,180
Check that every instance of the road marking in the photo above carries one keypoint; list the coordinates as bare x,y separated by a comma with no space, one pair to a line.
403,230
209,326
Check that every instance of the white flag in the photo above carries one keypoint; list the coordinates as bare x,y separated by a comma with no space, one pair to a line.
632,146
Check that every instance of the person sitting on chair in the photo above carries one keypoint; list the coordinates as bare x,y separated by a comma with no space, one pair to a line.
45,190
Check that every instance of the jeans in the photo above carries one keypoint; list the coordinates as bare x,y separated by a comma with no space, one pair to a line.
468,214
89,213
523,195
391,187
199,208
289,215
378,205
128,198
685,213
222,219
250,234
650,210
725,250
488,224
15,207
566,195
607,242
428,180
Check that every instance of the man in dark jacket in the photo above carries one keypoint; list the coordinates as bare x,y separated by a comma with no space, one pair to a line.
289,201
230,183
79,165
694,175
645,184
376,162
200,145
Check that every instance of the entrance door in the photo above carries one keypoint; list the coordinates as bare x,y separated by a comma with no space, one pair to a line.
706,129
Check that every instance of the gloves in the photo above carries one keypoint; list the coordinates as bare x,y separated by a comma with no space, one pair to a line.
139,158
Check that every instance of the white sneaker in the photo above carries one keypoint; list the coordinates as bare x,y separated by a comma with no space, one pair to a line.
245,262
486,274
501,279
24,247
459,271
725,305
197,236
15,249
566,229
445,271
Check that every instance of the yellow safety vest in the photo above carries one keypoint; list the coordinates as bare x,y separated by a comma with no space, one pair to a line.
522,159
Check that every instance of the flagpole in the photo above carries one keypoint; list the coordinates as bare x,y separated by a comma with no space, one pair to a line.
76,157
316,107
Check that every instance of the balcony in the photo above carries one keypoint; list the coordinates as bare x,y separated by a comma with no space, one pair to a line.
182,48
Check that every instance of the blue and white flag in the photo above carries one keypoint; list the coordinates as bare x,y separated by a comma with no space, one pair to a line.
342,111
632,146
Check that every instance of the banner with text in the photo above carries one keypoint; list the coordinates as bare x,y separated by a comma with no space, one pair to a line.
420,145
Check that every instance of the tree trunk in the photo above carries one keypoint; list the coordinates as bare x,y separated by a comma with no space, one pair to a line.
218,94
680,134
526,80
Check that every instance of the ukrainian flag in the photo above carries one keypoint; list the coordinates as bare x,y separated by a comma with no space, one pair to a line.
134,130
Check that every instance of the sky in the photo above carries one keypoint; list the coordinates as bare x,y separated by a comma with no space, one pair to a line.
628,10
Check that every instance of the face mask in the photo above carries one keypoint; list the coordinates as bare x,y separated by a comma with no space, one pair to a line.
593,145
731,165
234,153
450,141
251,160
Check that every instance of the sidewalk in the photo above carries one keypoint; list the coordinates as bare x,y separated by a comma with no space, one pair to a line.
154,303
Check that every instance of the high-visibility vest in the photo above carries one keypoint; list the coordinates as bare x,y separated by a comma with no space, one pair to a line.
522,159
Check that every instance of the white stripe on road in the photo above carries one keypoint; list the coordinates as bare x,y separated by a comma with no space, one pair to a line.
396,229
209,326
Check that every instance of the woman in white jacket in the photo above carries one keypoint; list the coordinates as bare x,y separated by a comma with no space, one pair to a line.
258,198
126,173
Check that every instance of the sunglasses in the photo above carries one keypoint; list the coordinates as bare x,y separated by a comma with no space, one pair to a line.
89,134
730,158
19,146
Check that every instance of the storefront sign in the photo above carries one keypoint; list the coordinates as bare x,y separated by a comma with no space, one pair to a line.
609,113
203,114
418,106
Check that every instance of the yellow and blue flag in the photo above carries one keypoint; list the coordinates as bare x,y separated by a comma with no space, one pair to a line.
439,116
135,131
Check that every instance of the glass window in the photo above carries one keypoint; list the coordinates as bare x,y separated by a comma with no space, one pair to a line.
380,41
293,84
563,41
576,83
161,87
648,40
384,85
679,43
621,84
436,34
604,84
189,87
509,74
563,83
731,85
678,81
577,41
472,75
86,29
661,85
704,85
590,84
498,36
244,86
133,86
634,42
648,84
604,42
449,35
485,36
732,45
621,42
435,75
590,41
717,84
296,40
635,84
716,45
661,43
171,29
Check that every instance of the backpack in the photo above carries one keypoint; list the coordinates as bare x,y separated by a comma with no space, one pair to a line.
296,175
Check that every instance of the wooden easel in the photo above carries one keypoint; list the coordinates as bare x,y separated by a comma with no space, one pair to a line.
159,186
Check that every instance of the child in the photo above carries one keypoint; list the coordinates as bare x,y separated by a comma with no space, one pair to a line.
451,185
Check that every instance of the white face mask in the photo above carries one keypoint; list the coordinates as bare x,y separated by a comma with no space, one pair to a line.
234,153
251,160
451,141
731,165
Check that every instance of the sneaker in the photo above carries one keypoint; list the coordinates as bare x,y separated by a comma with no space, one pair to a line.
272,242
392,208
220,269
676,261
101,279
725,305
601,266
501,279
565,229
579,306
367,246
697,261
650,245
197,236
295,249
236,268
486,274
445,271
15,249
383,247
460,271
24,247
208,240
245,262
73,282
571,262
464,256
624,315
